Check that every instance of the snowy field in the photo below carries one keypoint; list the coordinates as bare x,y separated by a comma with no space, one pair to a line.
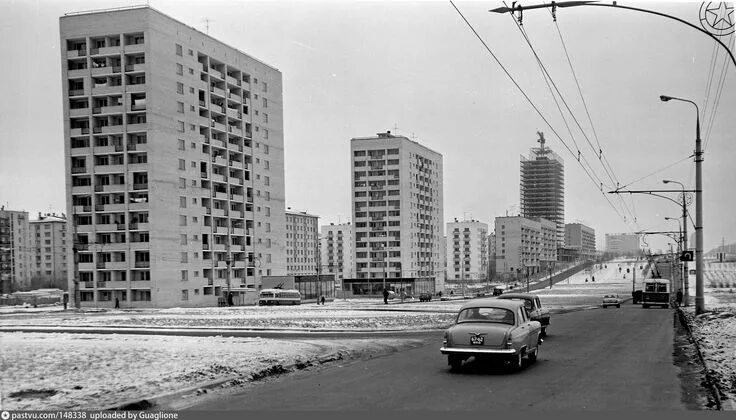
88,372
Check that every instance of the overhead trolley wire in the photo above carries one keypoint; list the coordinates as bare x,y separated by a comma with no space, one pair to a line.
546,75
485,45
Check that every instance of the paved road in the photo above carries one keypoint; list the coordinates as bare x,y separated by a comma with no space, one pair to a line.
600,359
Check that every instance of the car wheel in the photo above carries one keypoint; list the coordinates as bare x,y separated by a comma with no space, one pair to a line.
516,362
533,355
454,361
618,306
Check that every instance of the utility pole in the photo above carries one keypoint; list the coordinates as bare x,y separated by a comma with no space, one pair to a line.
228,261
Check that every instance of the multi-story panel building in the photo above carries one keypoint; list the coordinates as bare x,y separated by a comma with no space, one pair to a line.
623,243
524,245
48,244
491,254
543,187
302,243
467,250
581,238
15,251
397,210
175,161
336,246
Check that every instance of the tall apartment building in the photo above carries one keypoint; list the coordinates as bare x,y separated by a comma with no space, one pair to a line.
48,244
302,243
336,250
524,244
543,187
467,250
580,238
174,161
491,254
15,261
397,210
623,243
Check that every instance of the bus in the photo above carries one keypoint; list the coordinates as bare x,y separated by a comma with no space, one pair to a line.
656,293
279,297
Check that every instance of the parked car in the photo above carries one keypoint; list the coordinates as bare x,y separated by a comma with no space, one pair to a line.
611,300
495,329
425,297
534,306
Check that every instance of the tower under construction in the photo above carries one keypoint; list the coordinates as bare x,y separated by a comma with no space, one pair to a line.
543,187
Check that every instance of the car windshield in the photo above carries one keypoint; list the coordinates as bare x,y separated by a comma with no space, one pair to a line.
496,315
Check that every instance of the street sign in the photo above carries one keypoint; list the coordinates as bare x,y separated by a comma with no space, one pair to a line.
686,256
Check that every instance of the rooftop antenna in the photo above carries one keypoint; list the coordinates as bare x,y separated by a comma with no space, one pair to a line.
207,21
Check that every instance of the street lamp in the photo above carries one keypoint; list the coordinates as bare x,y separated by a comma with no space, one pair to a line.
686,282
699,298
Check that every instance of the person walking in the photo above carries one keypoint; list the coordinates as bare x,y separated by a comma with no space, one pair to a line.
322,299
117,303
678,297
385,296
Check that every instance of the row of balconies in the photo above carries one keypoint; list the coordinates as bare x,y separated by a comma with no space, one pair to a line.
106,70
119,49
110,129
132,284
107,89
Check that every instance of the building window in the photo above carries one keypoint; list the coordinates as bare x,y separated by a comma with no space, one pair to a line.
180,107
182,164
180,125
184,258
182,183
184,293
180,88
178,50
182,144
265,103
179,69
182,202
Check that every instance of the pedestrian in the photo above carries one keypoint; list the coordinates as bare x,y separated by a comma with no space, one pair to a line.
593,278
385,296
117,303
678,297
322,299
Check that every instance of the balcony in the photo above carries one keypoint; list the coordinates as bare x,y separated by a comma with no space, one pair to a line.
77,73
140,186
139,226
235,130
78,170
234,113
78,112
106,89
115,109
217,91
110,50
139,246
76,53
219,160
137,107
232,80
140,284
137,127
219,143
109,169
218,126
135,48
217,73
136,88
133,68
237,232
104,70
75,132
236,181
142,264
138,206
85,189
220,195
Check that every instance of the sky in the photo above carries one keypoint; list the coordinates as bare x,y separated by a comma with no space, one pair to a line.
353,69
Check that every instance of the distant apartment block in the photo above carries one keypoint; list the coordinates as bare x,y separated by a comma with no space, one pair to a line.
15,252
580,238
623,243
174,162
524,245
48,244
543,187
302,243
397,212
336,250
467,250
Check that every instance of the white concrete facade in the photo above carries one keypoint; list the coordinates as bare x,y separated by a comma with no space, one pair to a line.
302,243
581,238
467,250
174,161
397,209
15,251
524,244
336,250
48,241
623,243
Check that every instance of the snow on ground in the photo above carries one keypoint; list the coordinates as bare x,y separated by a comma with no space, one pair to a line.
715,330
88,371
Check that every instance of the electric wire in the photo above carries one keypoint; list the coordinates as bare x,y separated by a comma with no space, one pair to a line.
546,75
656,172
719,92
485,45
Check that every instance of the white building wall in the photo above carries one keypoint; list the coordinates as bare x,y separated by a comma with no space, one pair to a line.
336,246
467,250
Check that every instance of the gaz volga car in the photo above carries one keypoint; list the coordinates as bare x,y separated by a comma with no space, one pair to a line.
611,300
533,307
499,330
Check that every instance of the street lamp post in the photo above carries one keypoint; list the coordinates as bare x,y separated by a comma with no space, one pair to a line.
699,298
681,247
686,281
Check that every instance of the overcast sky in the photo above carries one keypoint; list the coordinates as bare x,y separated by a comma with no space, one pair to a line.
353,69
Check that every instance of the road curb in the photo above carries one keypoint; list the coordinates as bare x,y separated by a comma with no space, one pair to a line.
277,369
710,382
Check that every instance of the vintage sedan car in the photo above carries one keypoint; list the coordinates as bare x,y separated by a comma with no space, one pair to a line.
611,300
534,306
494,329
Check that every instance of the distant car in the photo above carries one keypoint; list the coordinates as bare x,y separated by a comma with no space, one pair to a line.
425,297
611,300
534,306
495,329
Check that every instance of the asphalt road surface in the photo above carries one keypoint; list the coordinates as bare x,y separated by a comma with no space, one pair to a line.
599,359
